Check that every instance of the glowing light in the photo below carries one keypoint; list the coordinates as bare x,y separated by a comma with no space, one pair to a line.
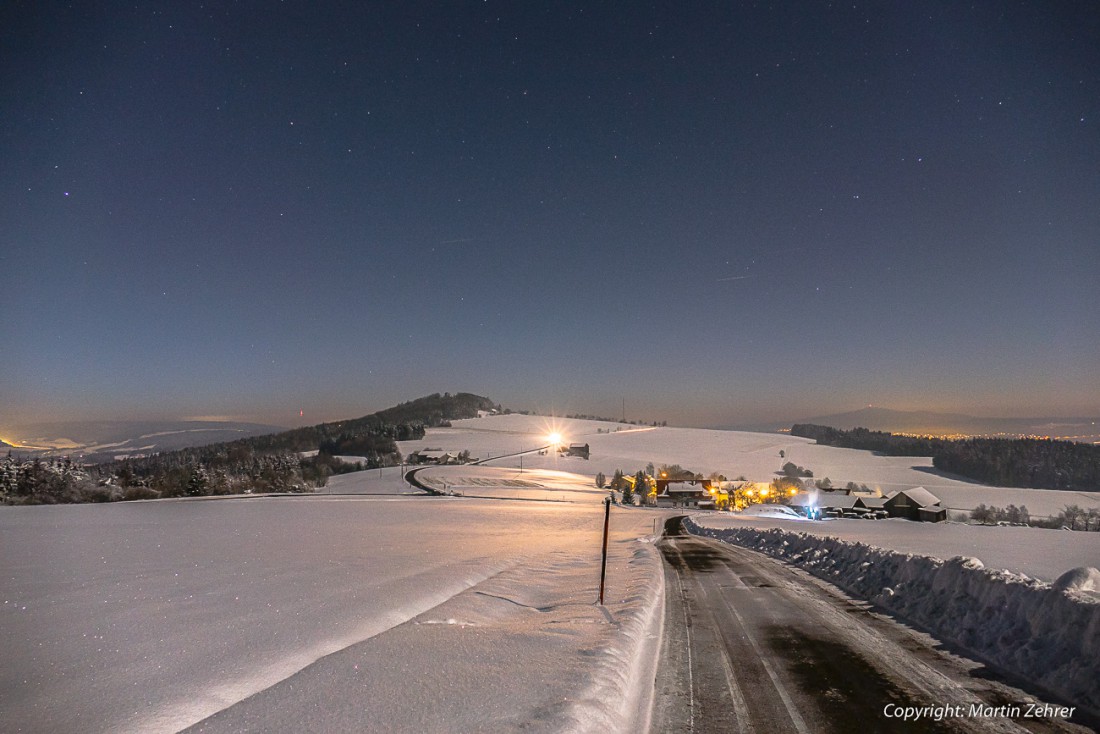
554,438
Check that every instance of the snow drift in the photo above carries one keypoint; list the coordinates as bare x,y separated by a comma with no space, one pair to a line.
1046,633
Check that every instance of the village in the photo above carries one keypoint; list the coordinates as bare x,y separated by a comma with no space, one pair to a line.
674,487
916,503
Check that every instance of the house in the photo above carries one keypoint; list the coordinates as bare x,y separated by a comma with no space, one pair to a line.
838,503
875,506
431,456
687,493
576,449
871,503
932,514
908,503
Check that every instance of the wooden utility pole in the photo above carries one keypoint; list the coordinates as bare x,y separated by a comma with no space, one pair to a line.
603,563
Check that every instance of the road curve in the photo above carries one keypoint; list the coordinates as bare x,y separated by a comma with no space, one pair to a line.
752,645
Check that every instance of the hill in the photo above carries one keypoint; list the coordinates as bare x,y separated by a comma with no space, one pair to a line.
395,423
288,461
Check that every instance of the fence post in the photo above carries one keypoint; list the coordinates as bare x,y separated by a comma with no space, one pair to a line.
603,563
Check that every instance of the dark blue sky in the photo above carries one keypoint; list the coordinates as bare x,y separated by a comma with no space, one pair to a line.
722,212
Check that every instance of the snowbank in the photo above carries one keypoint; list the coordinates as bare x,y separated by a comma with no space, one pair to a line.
1034,552
1049,634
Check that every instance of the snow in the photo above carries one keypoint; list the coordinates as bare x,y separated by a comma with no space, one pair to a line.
152,616
733,453
1037,552
1049,634
1082,579
1003,607
776,511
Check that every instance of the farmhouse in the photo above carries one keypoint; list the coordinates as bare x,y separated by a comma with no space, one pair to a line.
576,449
874,504
915,504
686,493
430,456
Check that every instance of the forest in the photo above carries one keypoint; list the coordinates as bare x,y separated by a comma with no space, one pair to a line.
1034,463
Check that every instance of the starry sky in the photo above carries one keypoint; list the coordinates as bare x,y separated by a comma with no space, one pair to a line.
718,212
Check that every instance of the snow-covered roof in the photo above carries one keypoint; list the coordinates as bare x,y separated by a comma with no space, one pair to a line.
919,496
839,501
437,455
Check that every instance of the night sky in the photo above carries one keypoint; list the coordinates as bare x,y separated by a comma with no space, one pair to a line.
719,212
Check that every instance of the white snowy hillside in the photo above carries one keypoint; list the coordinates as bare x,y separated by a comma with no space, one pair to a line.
732,453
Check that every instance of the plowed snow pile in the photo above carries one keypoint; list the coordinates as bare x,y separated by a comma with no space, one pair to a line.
1047,633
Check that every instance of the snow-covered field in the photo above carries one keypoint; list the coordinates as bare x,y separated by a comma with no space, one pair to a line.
150,616
733,453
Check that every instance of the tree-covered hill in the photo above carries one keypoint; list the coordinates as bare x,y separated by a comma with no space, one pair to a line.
271,463
400,423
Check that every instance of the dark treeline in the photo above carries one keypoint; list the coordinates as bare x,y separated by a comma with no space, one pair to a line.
1023,462
271,463
404,422
1007,462
861,438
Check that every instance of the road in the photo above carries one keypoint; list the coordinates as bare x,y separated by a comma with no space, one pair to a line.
752,645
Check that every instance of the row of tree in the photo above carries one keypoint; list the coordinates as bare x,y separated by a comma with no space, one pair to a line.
588,417
1073,517
1009,462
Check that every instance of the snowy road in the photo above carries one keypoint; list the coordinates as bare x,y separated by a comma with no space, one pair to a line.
753,645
